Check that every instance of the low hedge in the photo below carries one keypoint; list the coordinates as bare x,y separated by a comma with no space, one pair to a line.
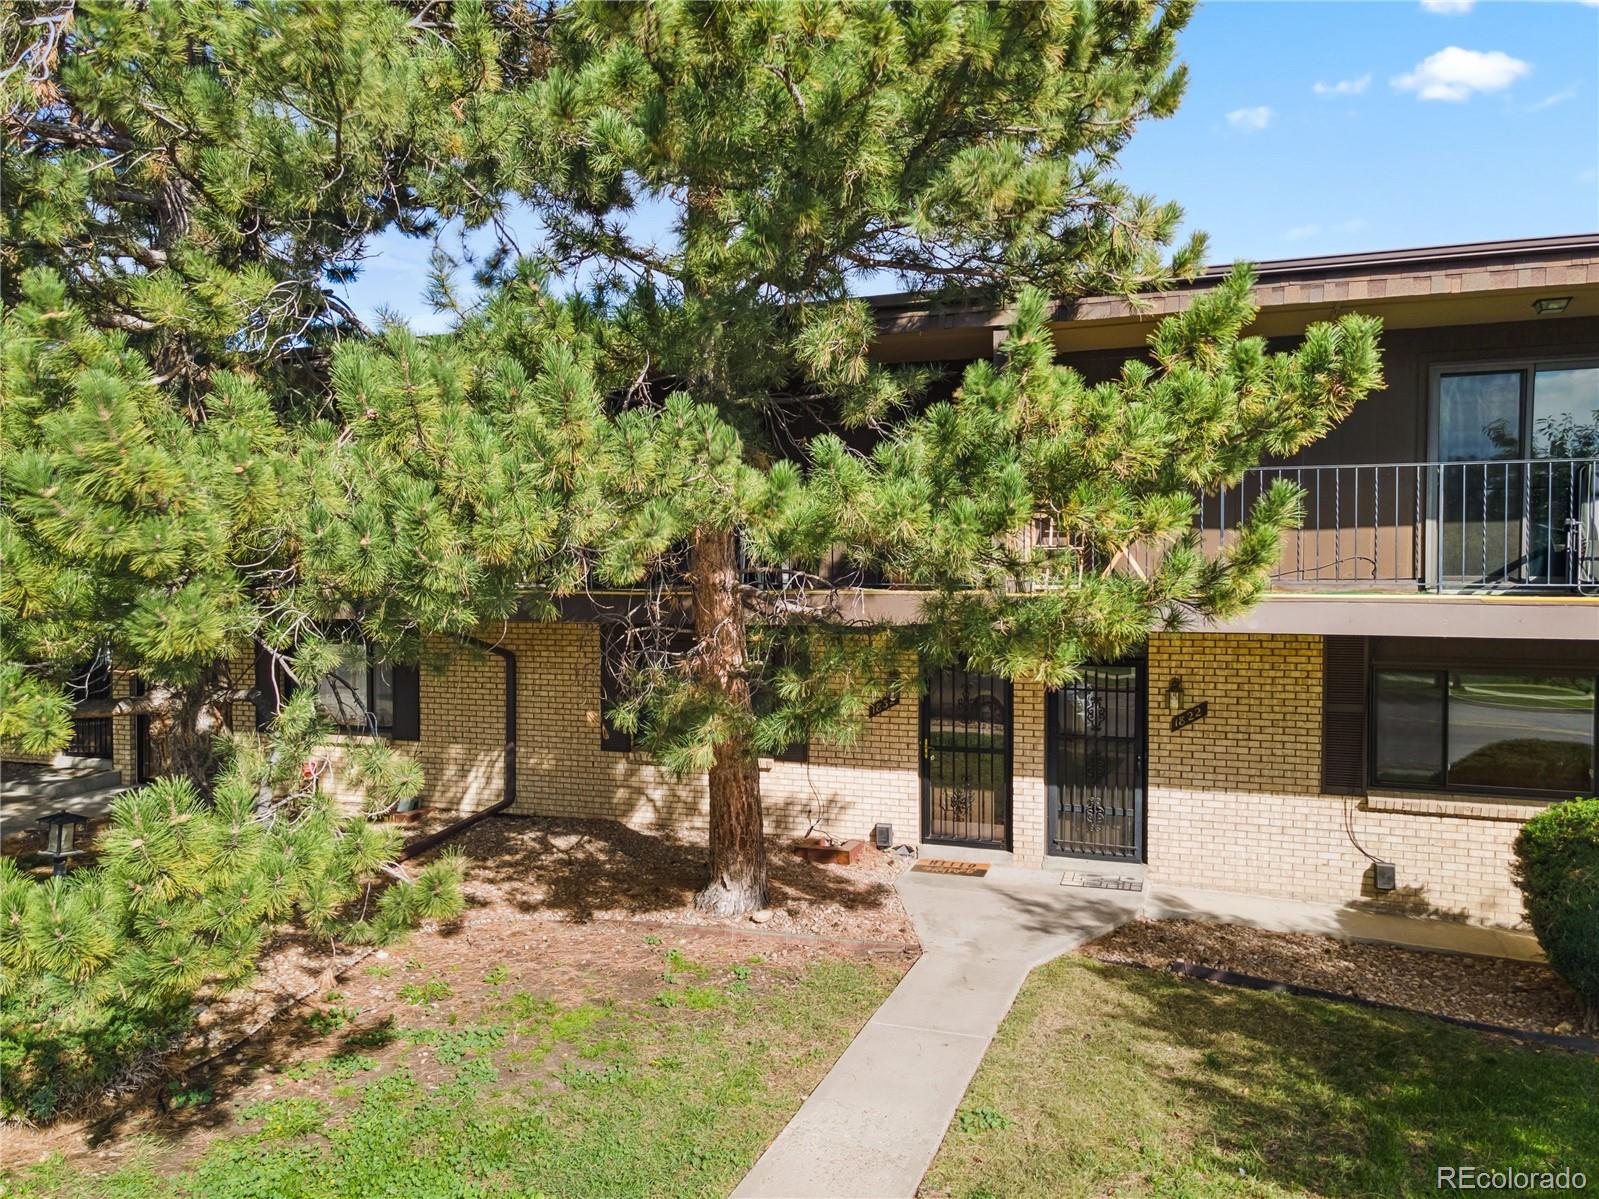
1557,868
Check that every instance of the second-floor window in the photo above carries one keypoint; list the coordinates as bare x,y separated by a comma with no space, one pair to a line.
1519,410
358,695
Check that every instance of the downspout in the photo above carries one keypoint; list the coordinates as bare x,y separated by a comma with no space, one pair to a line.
449,832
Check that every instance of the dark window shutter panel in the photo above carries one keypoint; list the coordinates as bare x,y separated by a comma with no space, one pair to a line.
1343,715
266,697
407,703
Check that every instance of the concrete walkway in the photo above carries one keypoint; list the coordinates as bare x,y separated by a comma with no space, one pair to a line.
871,1128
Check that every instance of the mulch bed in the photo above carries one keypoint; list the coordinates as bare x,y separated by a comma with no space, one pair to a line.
589,870
1492,990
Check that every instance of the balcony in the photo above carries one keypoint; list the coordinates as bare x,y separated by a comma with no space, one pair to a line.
1525,526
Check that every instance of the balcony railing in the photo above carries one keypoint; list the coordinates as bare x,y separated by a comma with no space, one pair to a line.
1507,525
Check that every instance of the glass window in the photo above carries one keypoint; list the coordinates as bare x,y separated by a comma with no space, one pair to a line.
1479,416
1565,413
1526,732
1517,731
1409,720
357,696
613,653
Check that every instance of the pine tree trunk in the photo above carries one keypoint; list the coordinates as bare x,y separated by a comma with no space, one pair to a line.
185,741
738,849
184,724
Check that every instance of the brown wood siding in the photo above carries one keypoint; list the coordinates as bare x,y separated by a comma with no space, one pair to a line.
1391,425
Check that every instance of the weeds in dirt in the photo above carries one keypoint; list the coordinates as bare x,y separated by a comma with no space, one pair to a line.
379,1035
335,1016
434,990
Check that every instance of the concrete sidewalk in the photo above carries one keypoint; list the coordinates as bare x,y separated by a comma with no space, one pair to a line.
872,1127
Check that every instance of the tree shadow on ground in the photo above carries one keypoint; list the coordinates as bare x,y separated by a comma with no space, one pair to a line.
1336,1099
583,869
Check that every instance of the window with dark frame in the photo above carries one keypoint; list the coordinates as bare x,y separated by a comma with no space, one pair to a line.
764,701
612,738
1527,408
357,696
612,658
1489,729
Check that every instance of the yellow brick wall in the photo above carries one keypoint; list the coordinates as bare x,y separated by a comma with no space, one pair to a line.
1029,802
562,771
1235,800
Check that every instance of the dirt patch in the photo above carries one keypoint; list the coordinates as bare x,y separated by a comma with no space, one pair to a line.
586,870
1493,990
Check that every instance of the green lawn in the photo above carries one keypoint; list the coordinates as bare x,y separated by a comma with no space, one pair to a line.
1112,1081
670,1095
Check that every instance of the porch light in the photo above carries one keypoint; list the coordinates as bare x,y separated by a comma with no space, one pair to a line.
60,834
1551,304
1174,694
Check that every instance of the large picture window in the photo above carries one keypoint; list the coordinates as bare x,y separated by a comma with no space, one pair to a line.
1471,729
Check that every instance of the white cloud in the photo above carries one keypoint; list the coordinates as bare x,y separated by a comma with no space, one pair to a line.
1452,7
1454,74
1250,120
1354,224
1346,87
1560,97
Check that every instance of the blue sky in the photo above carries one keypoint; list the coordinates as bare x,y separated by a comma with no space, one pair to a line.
1325,126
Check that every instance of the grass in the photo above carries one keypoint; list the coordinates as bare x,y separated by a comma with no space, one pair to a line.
1105,1080
529,1098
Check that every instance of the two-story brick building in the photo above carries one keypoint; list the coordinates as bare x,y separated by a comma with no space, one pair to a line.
1421,679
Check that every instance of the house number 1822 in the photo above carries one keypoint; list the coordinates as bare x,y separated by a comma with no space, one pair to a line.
1183,719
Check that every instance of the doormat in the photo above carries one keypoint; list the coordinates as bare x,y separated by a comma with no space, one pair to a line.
947,866
1102,882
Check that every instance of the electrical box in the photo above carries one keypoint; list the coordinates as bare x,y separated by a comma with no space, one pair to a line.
883,836
1382,876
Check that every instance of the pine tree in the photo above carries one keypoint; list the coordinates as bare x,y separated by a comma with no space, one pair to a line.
201,462
186,186
966,151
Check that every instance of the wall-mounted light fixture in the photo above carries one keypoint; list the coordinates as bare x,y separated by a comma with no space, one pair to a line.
1174,694
1548,305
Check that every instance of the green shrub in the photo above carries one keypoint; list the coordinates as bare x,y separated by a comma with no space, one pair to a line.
1557,868
49,1060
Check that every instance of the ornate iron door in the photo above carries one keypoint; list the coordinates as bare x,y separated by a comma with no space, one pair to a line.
1095,764
966,734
